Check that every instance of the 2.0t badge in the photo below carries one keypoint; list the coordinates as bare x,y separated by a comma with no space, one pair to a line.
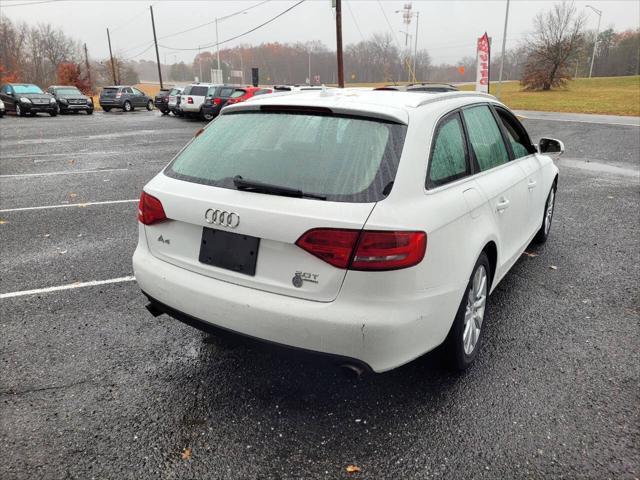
222,218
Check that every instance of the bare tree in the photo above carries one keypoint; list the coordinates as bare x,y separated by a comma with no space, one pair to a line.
554,44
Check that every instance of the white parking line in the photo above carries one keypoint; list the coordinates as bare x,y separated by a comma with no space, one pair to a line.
65,205
70,286
69,154
71,172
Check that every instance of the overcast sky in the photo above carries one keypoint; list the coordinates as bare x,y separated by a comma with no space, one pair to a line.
447,29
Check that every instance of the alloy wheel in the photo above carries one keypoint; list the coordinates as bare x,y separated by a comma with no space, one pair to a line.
474,311
548,216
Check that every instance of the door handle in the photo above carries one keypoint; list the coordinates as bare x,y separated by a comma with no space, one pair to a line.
502,205
532,184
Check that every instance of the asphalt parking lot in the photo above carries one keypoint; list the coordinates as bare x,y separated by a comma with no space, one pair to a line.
92,386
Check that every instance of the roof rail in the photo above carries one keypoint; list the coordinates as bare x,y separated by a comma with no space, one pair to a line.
458,94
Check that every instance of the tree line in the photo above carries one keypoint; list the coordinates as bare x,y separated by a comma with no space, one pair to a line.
558,49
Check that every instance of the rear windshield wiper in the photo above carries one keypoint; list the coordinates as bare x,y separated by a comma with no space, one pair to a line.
260,187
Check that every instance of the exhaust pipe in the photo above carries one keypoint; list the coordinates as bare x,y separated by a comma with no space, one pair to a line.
351,370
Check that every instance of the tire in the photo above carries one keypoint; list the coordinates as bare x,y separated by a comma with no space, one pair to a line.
150,105
90,111
547,216
164,112
465,337
127,107
207,117
54,113
106,109
33,114
19,112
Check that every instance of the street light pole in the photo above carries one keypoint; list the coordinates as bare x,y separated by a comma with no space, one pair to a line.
217,49
415,48
504,44
595,43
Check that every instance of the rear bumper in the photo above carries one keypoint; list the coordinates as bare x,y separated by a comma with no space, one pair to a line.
111,103
211,110
380,334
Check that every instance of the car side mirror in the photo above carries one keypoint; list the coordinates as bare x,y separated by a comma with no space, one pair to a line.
551,146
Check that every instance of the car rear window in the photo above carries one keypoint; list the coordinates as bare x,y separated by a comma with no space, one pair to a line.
109,91
198,91
343,158
238,93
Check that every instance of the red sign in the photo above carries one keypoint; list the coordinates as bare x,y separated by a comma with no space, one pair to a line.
484,62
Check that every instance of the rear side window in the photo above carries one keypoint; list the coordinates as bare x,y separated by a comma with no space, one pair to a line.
449,159
262,91
343,158
485,137
517,135
225,92
199,91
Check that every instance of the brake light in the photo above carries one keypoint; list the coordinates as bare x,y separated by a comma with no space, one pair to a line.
189,100
365,250
217,101
150,210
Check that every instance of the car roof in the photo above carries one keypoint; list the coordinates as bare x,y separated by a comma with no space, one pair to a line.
390,105
62,86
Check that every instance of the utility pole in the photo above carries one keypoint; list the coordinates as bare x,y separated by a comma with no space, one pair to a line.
86,62
595,43
113,67
339,43
155,40
504,43
407,15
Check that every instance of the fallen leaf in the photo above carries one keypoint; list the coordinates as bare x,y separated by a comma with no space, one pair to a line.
609,197
186,454
553,267
353,469
529,254
2,222
62,252
73,195
47,235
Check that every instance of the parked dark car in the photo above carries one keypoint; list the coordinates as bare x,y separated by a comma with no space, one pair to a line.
70,99
125,97
26,98
212,105
421,87
161,101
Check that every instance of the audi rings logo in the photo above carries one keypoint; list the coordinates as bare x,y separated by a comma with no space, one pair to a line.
222,218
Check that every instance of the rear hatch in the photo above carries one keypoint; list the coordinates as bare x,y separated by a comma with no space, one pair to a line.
193,97
349,161
108,93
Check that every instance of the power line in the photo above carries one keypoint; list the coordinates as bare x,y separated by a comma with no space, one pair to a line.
354,20
213,21
238,36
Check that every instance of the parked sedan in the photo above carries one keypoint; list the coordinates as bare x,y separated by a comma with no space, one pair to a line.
26,98
70,99
367,225
125,97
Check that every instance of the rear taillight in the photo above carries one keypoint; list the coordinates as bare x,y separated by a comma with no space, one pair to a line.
150,210
331,245
189,100
118,95
217,101
365,250
165,99
389,250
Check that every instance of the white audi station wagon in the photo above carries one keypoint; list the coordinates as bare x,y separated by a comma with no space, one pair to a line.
368,225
